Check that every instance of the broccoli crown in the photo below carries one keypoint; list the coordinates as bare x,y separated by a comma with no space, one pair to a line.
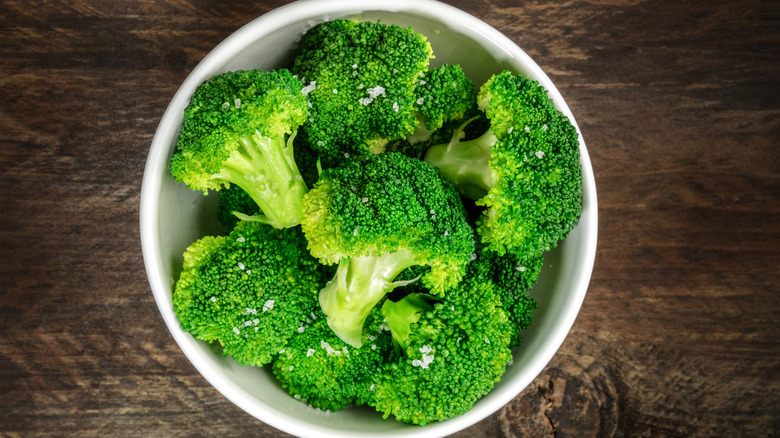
250,290
445,94
445,99
319,368
235,131
387,203
525,169
233,200
453,354
361,79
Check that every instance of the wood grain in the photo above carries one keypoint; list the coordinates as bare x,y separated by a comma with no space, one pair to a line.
678,102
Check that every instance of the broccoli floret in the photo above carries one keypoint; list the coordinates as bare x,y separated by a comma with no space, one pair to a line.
361,79
377,216
401,314
234,200
512,276
452,355
525,169
444,95
250,290
237,130
321,369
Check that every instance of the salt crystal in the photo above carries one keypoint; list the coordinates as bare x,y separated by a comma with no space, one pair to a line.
309,88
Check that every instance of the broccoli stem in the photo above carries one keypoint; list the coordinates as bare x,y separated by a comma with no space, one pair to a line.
265,168
421,132
356,288
400,315
466,164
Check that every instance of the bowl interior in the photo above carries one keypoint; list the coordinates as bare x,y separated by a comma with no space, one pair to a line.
173,216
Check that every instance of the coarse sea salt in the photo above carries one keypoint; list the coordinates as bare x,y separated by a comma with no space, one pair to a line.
376,91
309,88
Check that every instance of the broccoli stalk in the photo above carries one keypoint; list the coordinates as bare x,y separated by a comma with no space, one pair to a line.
466,163
238,129
359,284
264,167
401,314
524,169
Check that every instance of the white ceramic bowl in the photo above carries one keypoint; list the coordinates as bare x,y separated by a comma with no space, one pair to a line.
172,216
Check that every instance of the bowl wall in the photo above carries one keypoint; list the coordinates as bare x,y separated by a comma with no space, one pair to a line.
173,216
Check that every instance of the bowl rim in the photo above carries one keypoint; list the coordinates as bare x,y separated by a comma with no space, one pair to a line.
267,24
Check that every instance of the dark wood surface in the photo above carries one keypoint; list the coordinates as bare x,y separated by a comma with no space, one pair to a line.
679,104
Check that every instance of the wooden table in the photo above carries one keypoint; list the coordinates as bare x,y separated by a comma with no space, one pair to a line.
678,102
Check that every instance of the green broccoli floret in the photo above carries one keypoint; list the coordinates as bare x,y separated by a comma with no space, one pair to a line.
525,169
377,216
512,277
234,200
237,130
444,95
361,79
452,354
401,314
251,290
319,368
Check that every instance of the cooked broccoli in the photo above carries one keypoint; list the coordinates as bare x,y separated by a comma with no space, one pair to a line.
512,276
406,286
361,79
376,216
251,290
237,130
234,200
401,314
452,354
319,368
444,95
524,169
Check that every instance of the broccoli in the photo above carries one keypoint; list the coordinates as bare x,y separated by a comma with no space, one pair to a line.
251,290
377,216
400,314
525,169
361,79
237,130
319,368
453,353
512,276
444,95
234,200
